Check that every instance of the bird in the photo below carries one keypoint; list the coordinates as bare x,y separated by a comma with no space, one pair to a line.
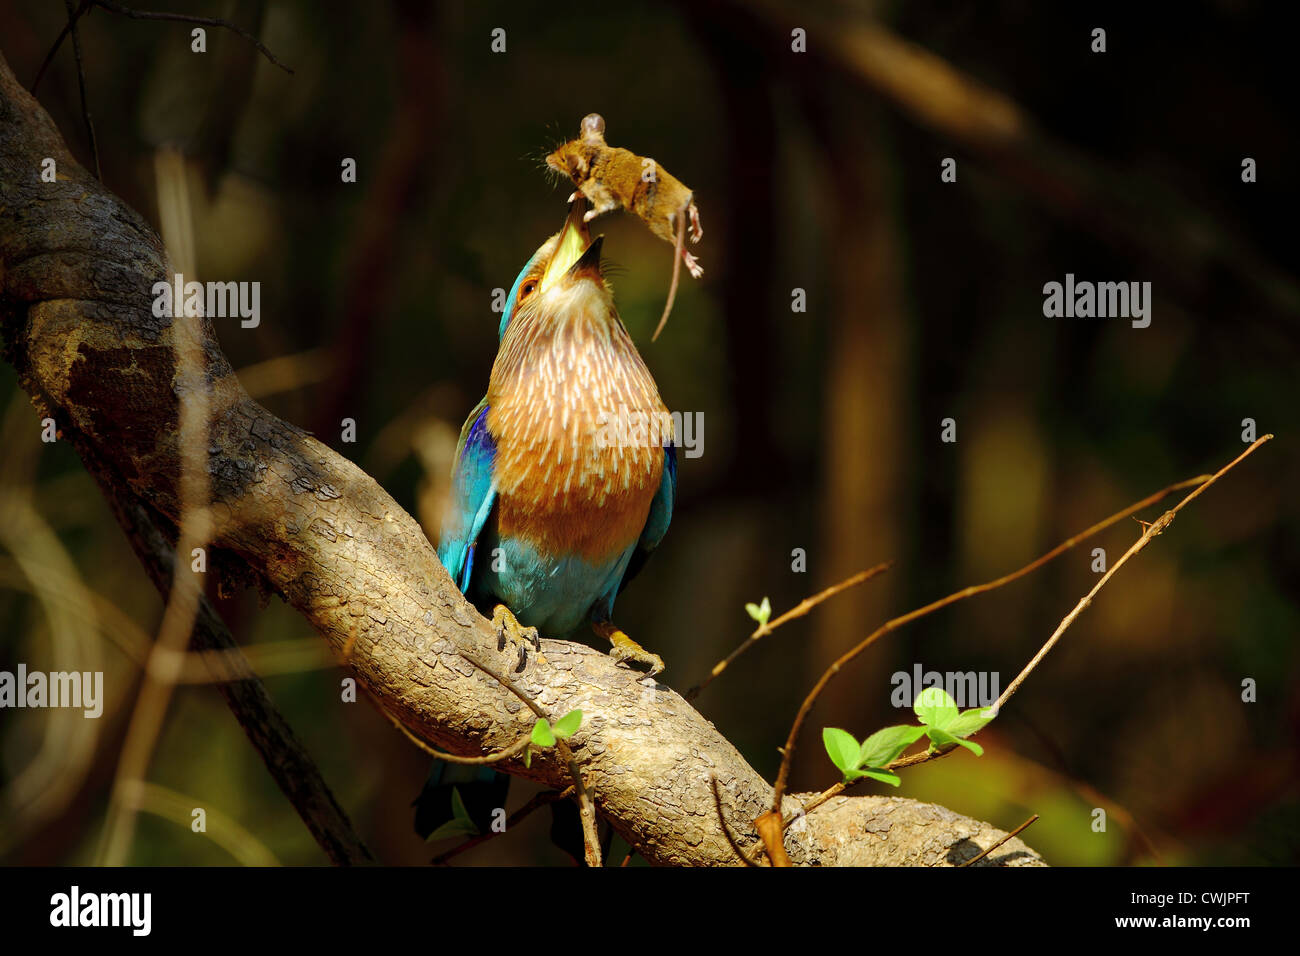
556,503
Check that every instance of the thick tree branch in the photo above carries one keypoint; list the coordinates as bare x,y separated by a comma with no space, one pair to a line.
76,269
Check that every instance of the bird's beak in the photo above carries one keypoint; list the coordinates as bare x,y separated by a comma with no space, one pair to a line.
588,264
575,251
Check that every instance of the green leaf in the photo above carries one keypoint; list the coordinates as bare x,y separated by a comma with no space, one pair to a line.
939,738
566,725
760,612
542,734
968,722
452,828
842,747
885,745
884,776
935,707
459,825
528,756
458,811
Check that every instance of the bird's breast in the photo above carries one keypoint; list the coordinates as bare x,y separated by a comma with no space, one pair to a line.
579,427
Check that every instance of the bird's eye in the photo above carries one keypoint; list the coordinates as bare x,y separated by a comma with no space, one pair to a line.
527,288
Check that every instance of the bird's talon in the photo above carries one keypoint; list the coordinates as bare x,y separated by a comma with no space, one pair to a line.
510,630
626,650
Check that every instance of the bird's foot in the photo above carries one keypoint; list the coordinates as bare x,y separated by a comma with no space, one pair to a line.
521,638
626,649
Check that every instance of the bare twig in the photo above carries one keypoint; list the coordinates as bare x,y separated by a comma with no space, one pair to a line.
58,42
792,739
1150,530
112,7
1154,528
799,610
73,14
514,750
1014,833
539,800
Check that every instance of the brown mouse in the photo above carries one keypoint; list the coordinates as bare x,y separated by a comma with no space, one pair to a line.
613,178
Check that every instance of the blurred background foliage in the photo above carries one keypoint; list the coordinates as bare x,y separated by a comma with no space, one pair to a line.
821,428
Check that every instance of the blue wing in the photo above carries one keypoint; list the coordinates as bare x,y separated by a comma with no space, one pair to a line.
656,524
472,495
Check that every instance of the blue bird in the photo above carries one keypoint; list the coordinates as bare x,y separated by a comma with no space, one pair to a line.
565,474
563,484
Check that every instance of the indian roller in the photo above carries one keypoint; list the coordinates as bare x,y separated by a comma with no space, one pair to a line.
552,509
555,507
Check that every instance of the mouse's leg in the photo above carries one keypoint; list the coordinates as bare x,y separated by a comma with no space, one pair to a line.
697,231
692,264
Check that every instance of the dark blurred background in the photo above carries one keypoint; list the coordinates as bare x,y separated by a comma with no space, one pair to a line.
818,171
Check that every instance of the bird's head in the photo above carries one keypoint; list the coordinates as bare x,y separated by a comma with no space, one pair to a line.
563,278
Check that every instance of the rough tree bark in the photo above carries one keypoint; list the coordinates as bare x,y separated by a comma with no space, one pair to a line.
76,270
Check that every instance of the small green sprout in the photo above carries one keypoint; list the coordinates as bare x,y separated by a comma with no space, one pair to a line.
760,612
545,733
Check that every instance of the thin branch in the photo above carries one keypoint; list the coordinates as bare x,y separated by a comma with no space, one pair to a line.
541,799
112,7
514,750
1014,833
58,42
1151,530
799,610
73,15
792,739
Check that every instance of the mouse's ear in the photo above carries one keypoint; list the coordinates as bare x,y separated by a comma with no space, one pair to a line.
592,127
